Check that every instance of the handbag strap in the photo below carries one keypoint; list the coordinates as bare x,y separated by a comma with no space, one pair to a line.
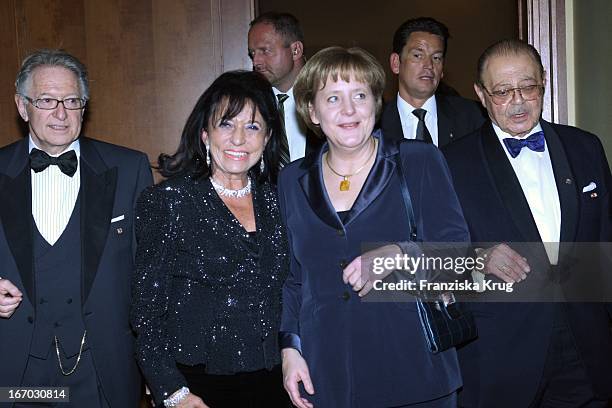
406,196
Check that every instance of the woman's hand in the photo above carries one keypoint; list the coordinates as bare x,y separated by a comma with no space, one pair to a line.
359,272
295,370
192,401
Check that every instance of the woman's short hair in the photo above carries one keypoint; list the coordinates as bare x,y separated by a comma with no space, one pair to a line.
337,63
226,97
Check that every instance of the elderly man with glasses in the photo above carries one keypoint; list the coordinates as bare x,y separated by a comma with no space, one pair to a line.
540,190
66,248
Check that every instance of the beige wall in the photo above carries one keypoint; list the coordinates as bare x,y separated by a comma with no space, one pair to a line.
593,67
474,24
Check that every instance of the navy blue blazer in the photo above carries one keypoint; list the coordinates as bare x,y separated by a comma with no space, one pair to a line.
503,367
359,353
111,180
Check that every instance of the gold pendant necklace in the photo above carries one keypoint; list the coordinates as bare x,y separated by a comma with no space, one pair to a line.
345,184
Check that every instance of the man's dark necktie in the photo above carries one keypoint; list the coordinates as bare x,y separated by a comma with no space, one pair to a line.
422,133
534,142
284,157
67,162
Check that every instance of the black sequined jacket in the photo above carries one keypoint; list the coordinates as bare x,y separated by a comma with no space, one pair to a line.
204,290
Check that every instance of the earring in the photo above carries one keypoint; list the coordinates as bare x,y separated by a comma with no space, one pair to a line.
208,156
262,166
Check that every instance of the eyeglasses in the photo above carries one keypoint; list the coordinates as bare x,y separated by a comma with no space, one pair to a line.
503,96
51,103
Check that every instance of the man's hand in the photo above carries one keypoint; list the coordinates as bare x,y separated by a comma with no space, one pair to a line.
10,298
505,263
295,370
359,273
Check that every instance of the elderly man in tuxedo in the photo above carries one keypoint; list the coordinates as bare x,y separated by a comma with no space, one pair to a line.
419,112
66,244
534,187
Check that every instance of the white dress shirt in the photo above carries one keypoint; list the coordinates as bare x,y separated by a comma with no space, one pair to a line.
294,127
410,121
535,174
54,195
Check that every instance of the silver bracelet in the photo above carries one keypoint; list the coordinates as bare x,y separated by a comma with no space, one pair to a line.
176,398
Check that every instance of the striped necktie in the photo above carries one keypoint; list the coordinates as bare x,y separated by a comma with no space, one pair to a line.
284,157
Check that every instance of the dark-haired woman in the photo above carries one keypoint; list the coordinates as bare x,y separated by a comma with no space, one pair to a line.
212,256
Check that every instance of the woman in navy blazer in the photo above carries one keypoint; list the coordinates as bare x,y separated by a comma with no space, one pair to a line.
339,350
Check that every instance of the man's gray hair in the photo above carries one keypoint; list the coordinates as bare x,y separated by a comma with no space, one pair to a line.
49,57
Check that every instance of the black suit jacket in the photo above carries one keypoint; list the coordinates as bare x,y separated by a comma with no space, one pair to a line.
111,180
456,117
504,366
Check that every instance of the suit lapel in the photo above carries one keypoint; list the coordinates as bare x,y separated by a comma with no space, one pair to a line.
16,216
391,123
313,142
314,188
566,184
377,180
508,186
316,193
444,123
98,184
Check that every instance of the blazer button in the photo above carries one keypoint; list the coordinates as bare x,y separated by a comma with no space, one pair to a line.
343,263
346,295
341,232
30,319
69,300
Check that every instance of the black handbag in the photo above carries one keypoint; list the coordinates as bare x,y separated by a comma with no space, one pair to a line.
445,322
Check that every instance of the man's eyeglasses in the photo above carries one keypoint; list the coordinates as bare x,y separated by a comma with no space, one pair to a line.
51,103
503,96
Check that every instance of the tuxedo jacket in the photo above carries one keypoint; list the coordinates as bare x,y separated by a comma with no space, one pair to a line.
457,117
111,180
360,353
503,367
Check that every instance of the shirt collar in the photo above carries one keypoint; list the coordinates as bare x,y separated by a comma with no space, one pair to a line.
406,108
501,135
76,146
289,92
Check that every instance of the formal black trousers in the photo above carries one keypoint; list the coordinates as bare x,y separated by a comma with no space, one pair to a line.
564,382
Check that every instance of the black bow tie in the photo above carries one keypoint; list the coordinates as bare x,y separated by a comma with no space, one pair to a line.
67,162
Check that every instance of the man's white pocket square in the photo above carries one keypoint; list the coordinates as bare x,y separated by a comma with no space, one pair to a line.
119,218
592,186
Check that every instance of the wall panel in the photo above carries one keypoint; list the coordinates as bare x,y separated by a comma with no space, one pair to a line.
148,60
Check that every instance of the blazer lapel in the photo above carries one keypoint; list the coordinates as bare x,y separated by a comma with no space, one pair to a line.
391,123
508,186
98,185
444,123
377,180
314,188
566,184
16,216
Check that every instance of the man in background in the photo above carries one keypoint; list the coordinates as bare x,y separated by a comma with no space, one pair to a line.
276,47
419,49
